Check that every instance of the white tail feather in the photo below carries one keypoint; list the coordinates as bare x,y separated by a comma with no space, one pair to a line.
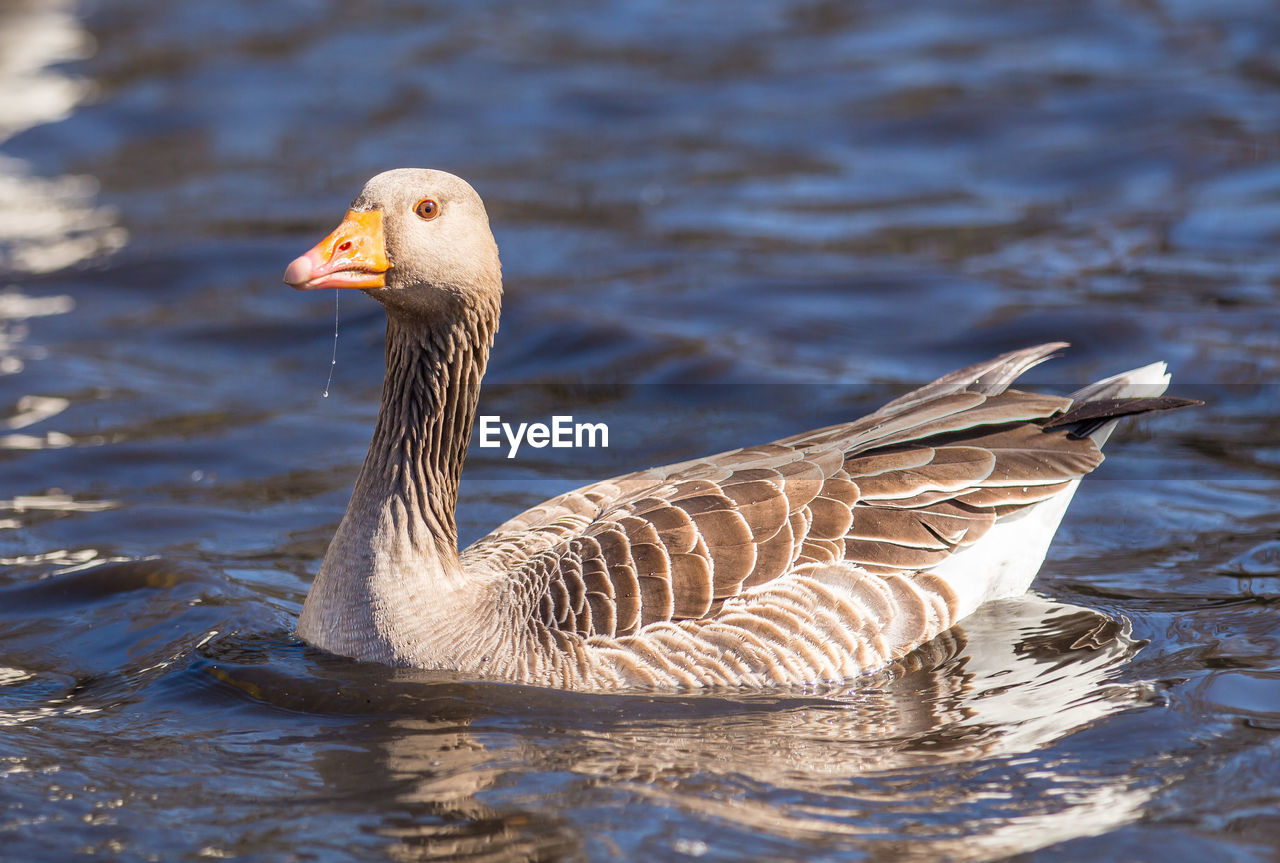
1005,561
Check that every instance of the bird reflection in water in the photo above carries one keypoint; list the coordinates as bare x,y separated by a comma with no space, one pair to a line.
854,764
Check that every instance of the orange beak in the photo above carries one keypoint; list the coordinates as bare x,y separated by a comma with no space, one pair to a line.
353,256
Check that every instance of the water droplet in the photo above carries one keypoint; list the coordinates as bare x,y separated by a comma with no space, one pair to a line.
333,360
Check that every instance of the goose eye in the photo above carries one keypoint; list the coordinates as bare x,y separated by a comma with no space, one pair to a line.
426,209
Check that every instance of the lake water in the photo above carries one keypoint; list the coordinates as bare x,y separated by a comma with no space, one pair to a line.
720,222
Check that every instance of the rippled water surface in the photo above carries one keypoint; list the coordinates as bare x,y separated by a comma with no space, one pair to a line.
720,222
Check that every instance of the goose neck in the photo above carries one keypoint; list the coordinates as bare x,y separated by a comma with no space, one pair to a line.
429,397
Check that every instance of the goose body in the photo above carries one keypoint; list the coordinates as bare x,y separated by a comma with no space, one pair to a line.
813,558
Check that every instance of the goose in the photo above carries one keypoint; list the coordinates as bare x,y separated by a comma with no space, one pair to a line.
814,558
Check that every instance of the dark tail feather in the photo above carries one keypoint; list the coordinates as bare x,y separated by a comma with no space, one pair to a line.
1088,417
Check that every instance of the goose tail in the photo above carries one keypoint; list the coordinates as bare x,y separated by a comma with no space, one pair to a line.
1100,405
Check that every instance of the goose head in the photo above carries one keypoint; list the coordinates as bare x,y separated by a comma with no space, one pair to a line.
416,240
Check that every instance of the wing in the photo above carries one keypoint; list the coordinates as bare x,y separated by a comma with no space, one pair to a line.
897,491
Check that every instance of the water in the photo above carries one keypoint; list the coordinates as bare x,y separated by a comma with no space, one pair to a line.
720,222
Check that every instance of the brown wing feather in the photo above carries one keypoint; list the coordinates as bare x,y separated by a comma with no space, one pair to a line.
895,492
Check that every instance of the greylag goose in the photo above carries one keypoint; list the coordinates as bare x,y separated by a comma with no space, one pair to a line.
813,558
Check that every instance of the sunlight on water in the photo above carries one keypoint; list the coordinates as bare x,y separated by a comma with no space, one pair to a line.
46,224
